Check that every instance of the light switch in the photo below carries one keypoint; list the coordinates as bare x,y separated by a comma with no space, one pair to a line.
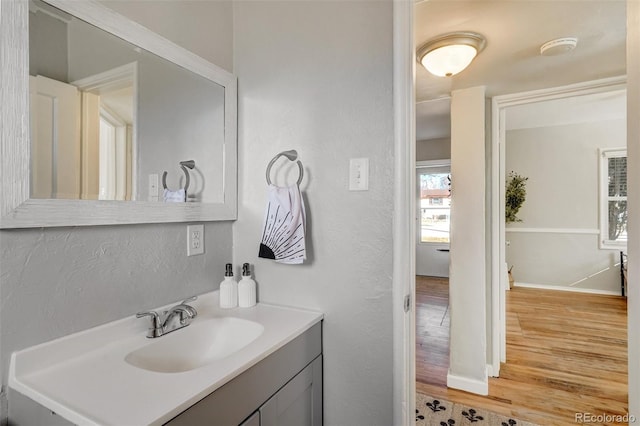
359,174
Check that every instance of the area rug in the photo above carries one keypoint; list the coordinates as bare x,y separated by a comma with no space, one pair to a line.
438,412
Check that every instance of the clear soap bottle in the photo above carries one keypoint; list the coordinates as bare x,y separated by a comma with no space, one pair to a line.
246,288
228,289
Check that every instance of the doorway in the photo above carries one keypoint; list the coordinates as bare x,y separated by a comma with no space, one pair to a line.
433,202
404,190
501,106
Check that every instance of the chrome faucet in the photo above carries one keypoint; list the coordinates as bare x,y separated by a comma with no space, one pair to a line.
175,318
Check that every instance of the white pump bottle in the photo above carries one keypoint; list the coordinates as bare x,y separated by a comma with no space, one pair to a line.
228,289
246,288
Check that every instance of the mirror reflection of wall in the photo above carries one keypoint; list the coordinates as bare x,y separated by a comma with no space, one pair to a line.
106,116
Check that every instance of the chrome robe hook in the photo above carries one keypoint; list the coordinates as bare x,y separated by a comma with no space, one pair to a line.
183,165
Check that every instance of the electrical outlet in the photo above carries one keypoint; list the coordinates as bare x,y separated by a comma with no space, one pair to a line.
195,240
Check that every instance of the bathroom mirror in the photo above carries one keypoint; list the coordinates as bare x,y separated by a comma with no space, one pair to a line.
111,107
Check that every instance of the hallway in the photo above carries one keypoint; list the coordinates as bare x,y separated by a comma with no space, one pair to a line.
567,354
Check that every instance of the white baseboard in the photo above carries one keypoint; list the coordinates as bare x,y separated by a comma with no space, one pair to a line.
566,288
480,387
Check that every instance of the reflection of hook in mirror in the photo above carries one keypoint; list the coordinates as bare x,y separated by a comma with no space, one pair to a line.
181,194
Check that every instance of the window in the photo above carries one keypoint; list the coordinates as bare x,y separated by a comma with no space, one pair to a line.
435,206
613,199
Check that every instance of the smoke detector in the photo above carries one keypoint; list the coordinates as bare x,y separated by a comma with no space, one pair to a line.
558,46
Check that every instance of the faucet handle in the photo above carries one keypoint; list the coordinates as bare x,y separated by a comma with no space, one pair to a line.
189,310
156,328
153,314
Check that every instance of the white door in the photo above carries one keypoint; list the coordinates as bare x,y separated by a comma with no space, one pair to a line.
55,139
114,179
433,217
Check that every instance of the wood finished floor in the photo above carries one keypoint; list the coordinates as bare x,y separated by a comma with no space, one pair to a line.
566,354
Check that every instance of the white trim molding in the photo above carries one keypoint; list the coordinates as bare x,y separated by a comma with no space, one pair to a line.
584,231
566,288
404,208
468,384
433,163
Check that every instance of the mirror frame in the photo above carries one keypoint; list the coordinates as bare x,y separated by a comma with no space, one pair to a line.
17,210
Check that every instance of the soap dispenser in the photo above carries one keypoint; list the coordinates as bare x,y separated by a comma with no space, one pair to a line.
228,289
246,288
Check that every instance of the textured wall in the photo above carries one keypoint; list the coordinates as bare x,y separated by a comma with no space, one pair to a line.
60,280
203,26
317,76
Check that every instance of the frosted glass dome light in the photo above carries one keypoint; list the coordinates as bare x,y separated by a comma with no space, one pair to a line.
451,53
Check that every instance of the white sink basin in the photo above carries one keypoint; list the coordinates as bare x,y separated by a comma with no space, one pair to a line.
194,346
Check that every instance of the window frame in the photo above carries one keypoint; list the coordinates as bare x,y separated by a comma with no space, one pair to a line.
604,154
435,166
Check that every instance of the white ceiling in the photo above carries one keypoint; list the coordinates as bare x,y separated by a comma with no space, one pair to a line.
577,109
511,62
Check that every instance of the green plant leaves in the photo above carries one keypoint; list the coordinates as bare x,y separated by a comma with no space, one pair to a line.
515,195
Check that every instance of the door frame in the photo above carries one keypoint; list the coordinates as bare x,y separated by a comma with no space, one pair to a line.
104,82
404,150
404,277
499,279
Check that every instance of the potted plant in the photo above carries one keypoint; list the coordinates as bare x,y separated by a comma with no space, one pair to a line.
515,194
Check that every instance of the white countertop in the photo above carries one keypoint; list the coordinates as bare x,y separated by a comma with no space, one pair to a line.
83,377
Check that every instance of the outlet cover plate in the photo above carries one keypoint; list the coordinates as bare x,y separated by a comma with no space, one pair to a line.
195,240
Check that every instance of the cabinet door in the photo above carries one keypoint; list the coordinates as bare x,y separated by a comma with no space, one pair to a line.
299,402
254,420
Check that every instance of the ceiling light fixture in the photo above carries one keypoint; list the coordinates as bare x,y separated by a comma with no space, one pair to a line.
558,46
448,54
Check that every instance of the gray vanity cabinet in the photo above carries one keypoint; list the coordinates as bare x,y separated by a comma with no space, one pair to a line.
254,420
283,389
299,402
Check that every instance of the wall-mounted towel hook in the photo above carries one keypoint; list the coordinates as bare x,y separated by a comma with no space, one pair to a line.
292,155
183,165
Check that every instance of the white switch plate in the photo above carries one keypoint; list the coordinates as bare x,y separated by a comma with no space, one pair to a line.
195,240
359,174
153,187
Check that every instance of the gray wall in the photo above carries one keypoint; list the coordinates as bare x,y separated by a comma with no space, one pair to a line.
204,27
433,149
316,76
561,163
47,46
60,280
